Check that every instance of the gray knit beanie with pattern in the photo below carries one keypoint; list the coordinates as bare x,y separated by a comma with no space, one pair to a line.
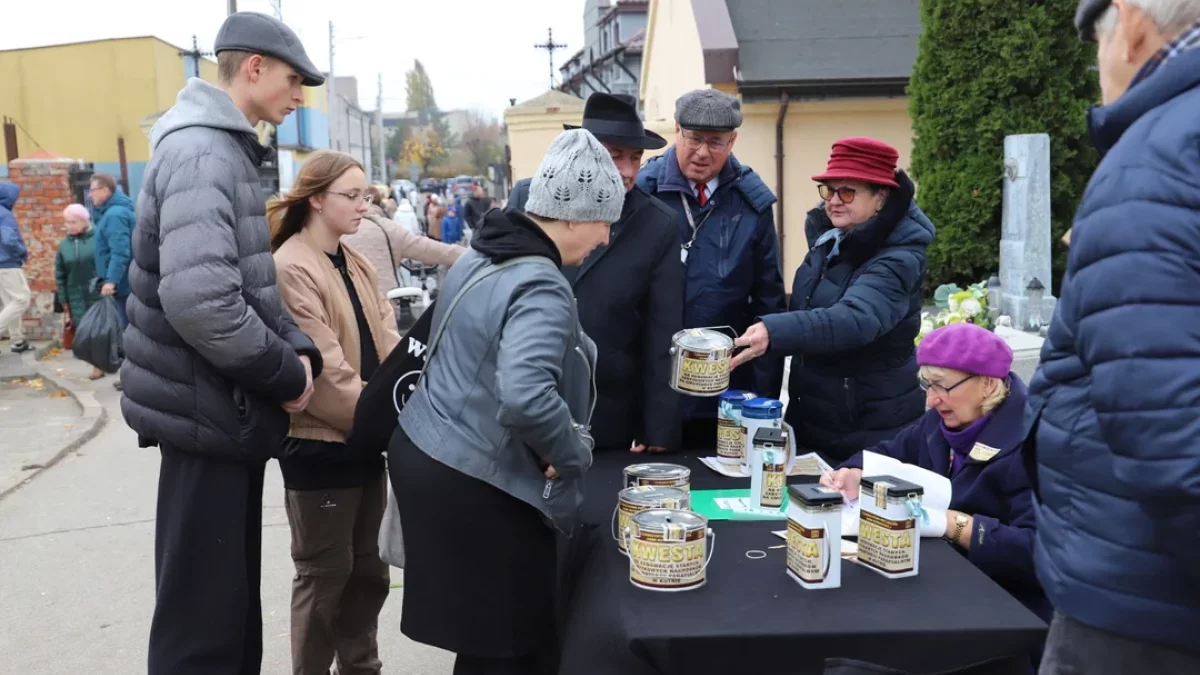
577,181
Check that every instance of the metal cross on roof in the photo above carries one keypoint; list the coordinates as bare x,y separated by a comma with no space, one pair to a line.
195,50
550,46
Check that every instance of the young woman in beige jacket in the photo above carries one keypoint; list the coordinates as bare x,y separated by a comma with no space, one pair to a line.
335,493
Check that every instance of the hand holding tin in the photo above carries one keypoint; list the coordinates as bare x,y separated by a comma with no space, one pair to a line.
845,481
754,343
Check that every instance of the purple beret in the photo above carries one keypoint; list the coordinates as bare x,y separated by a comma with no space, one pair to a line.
966,347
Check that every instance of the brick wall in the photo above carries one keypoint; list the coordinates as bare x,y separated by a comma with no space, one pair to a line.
45,192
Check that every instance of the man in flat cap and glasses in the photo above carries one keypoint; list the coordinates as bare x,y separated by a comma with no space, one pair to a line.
213,363
1114,433
630,293
723,211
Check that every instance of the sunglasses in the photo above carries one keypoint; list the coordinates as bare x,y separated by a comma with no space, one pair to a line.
846,194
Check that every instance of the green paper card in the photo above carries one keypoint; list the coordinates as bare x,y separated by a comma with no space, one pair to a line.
719,505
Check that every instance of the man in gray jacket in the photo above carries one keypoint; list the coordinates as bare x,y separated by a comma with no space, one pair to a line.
213,363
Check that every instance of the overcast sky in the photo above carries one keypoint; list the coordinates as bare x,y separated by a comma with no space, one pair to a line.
479,52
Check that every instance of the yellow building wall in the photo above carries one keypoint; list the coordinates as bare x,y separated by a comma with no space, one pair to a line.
76,99
530,135
809,133
673,63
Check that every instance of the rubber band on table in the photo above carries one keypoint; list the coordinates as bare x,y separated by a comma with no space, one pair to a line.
755,554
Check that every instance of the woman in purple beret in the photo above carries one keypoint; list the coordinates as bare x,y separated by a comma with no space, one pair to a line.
972,433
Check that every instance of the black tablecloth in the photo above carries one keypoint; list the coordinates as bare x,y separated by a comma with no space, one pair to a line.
752,618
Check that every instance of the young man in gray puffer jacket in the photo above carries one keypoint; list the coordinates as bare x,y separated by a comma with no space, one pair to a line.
213,362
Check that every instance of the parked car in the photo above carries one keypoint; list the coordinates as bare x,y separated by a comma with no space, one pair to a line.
460,186
435,185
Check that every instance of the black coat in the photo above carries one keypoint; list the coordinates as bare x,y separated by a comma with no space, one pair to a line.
630,303
850,330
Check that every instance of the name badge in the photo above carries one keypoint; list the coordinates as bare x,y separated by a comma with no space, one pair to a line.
983,453
683,255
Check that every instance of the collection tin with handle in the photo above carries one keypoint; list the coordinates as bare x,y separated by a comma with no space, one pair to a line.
634,500
669,550
659,473
814,536
889,539
700,360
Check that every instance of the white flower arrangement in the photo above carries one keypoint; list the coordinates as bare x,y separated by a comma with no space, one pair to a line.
962,306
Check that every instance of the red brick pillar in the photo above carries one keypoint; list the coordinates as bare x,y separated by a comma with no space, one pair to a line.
45,192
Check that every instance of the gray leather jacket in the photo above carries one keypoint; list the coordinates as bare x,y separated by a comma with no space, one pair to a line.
510,384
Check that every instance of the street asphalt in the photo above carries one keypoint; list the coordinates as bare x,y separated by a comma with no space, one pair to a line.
77,561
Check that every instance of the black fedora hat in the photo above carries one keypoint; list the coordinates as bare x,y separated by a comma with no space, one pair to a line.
613,118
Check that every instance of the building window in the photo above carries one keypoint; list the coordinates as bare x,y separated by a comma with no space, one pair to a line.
617,31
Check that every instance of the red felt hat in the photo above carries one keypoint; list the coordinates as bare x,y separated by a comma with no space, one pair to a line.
864,159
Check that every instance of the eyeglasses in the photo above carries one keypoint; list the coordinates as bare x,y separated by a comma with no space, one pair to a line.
356,197
939,390
714,143
846,194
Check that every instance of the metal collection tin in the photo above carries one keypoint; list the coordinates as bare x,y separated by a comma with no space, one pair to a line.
731,431
700,361
768,468
634,500
657,473
814,536
669,549
757,414
889,540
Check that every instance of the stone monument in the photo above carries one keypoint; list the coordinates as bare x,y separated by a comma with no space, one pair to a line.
1025,235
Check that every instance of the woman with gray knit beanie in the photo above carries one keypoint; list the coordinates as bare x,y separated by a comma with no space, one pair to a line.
489,455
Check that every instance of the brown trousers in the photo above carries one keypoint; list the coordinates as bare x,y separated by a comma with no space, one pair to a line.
340,584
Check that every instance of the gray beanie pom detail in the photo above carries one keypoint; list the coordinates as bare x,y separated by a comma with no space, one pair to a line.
577,181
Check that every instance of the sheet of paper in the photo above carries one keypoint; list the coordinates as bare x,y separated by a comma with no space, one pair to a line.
936,499
805,465
742,505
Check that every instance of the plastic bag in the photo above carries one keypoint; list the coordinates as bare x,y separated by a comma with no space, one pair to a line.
98,336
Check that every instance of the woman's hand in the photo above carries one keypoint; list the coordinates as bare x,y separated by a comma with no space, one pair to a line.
551,473
653,449
756,340
845,481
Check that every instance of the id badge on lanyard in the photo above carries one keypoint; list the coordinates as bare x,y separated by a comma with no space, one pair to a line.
687,247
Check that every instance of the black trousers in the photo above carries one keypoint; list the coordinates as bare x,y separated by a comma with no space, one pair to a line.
207,566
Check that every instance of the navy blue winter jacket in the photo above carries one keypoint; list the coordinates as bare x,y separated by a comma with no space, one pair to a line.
850,330
114,231
1115,405
733,274
12,247
995,492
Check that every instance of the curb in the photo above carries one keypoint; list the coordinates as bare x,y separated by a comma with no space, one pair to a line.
91,422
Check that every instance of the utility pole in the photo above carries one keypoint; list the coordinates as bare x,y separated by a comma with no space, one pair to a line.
232,6
277,5
551,46
379,148
331,92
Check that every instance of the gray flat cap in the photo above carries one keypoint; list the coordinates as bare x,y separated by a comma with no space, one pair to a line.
266,35
708,110
1086,15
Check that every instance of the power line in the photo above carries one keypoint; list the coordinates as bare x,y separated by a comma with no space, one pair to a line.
23,129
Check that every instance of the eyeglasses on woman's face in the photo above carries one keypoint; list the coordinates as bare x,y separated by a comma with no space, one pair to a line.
355,196
844,193
940,390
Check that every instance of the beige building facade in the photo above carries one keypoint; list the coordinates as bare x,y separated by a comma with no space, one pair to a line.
534,124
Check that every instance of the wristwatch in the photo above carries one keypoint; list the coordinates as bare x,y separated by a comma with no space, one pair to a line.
960,522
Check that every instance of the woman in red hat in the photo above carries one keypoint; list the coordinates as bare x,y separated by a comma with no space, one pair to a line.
855,308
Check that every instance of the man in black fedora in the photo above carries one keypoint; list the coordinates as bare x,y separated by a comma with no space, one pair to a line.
630,293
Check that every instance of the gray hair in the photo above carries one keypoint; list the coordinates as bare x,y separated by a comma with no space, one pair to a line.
1169,15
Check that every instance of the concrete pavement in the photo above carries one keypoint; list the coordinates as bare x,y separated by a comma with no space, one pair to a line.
77,559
